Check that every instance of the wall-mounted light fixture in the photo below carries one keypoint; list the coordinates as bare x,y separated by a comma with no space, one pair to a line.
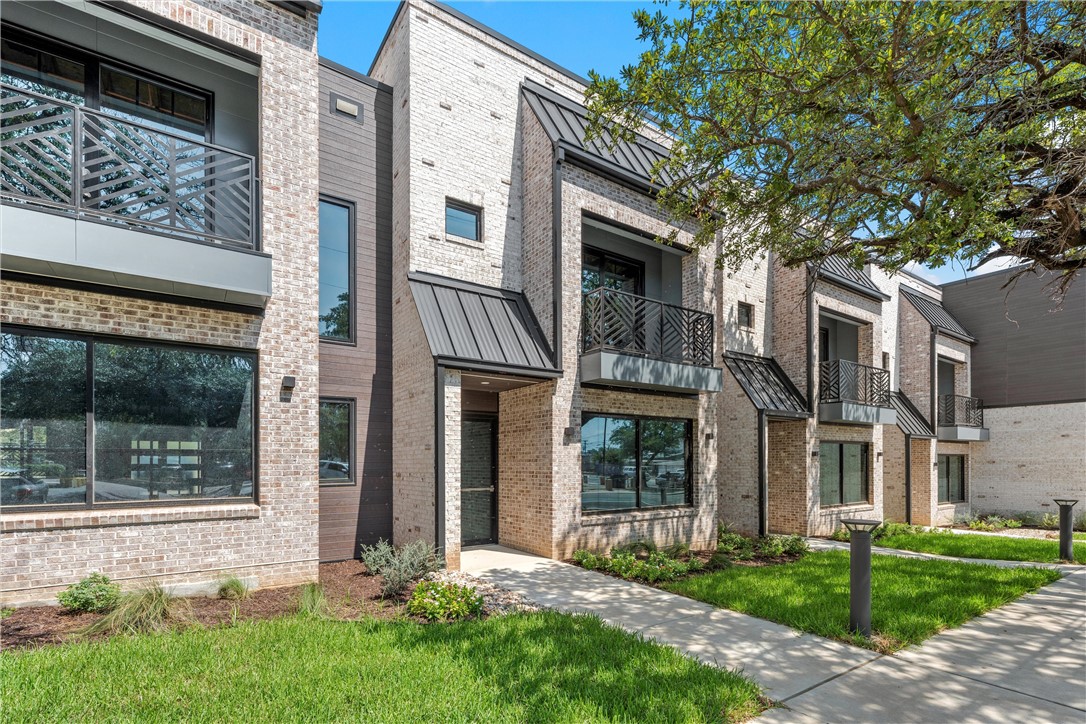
878,454
814,453
289,382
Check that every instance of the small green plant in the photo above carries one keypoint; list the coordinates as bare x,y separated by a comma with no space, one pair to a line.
1050,520
657,567
233,589
439,601
639,549
148,609
95,594
399,567
841,535
5,612
981,525
1012,523
734,543
1079,523
771,546
312,603
795,545
719,561
677,550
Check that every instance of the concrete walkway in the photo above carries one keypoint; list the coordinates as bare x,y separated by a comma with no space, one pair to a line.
1023,662
824,544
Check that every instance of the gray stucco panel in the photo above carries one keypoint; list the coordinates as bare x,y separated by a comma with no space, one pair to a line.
961,433
851,413
623,370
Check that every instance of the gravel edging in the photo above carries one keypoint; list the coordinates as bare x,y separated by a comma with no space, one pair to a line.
497,601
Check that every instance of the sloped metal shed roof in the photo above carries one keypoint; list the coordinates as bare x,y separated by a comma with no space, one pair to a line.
840,271
909,419
565,122
937,315
766,384
471,326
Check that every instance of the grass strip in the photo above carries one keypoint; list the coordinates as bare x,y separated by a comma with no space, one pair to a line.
911,599
988,547
527,667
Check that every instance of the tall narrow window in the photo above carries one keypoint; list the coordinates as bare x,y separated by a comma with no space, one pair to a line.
951,478
745,315
843,473
336,317
336,438
463,220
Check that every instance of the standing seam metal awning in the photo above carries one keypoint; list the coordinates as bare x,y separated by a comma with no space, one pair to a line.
937,315
839,271
909,419
766,384
472,326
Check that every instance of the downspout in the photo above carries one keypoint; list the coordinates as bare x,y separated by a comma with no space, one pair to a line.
763,474
810,346
556,251
908,479
934,384
439,458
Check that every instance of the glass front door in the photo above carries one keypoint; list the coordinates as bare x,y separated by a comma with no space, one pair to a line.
478,480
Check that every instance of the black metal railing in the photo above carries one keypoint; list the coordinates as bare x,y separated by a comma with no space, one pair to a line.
60,155
844,381
627,323
960,410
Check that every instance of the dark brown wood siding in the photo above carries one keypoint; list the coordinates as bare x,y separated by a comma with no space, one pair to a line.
1030,350
356,166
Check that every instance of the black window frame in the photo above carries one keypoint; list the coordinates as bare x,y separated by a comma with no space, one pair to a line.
942,458
688,444
352,338
352,434
476,211
865,456
90,339
740,308
92,81
606,255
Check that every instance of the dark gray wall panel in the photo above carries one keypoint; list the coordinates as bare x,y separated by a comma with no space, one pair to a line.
1029,350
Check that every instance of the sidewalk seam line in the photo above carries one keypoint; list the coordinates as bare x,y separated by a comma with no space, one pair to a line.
835,676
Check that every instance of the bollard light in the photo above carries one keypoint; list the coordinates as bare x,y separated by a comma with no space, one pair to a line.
1066,545
859,574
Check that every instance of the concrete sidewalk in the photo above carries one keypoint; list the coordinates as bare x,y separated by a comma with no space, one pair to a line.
1022,662
824,544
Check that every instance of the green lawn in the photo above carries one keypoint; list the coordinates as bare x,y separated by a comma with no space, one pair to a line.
998,548
529,667
911,599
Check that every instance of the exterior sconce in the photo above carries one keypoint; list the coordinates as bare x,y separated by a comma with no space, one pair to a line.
289,382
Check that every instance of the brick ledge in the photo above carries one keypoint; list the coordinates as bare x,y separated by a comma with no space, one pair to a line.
61,520
636,516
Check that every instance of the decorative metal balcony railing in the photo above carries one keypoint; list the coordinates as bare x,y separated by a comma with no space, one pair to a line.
621,322
960,410
844,381
64,156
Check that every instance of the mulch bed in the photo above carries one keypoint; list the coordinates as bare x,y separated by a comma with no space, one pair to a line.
349,589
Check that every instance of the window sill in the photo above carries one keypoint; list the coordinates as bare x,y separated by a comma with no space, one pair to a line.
609,517
465,241
67,519
846,507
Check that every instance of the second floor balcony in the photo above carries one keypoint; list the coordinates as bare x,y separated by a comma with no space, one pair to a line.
633,341
961,418
853,393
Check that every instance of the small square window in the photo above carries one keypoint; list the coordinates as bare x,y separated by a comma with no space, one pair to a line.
886,360
746,315
463,221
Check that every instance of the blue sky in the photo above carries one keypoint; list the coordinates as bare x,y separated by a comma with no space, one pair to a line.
579,36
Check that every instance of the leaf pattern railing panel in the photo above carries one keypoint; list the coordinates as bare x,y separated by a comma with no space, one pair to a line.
960,410
844,381
623,322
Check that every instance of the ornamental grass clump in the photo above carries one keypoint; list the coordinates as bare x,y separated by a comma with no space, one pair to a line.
439,601
233,589
94,594
143,611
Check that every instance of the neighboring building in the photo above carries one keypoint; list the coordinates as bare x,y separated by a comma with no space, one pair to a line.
1029,368
259,309
159,348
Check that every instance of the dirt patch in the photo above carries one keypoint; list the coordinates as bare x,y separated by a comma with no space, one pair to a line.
351,592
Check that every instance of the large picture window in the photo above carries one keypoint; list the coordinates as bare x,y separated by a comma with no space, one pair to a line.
634,462
951,478
843,473
166,423
336,437
335,271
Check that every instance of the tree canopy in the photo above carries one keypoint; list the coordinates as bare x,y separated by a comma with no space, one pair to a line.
882,131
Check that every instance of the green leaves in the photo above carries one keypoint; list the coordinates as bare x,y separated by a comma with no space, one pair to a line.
894,131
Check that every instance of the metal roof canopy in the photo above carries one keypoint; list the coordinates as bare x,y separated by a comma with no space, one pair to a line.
566,121
909,418
839,271
484,329
766,384
937,315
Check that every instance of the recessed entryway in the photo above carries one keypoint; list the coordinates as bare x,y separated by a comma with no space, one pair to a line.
478,478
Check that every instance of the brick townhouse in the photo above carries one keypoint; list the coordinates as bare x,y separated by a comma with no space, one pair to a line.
268,308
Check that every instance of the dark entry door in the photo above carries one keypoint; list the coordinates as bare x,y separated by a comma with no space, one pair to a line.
478,479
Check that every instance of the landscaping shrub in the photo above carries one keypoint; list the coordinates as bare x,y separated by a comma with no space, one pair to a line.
719,561
399,567
1050,520
233,589
1012,523
94,593
639,549
771,546
677,550
734,543
313,603
795,545
143,611
438,601
657,567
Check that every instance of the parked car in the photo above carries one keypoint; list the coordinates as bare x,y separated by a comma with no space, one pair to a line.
16,489
334,470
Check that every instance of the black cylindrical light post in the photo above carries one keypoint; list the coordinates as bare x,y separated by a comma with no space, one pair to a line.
859,574
1067,552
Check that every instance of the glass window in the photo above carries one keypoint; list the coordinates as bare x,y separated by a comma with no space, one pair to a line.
43,424
951,478
843,473
44,73
746,315
463,221
600,269
336,425
631,463
154,104
335,271
169,423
